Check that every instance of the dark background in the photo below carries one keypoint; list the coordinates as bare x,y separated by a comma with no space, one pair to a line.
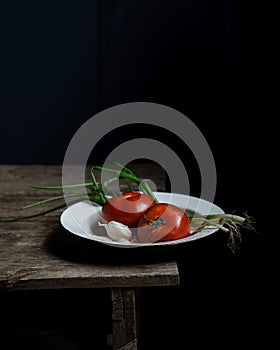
63,61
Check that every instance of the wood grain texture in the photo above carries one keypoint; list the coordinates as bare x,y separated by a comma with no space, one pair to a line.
39,254
124,335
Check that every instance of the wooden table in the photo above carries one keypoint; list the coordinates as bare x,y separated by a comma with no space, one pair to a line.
37,254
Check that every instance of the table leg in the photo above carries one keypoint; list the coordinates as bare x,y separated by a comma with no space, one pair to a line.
124,326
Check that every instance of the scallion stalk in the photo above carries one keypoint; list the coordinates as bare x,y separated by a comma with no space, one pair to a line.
229,223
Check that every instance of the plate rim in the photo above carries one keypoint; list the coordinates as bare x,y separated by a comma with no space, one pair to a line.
96,238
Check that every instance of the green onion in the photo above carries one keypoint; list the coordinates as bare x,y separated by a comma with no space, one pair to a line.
34,215
229,223
61,187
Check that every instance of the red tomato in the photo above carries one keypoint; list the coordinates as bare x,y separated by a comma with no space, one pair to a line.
163,222
127,208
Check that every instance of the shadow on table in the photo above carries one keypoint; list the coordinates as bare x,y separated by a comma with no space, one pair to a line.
69,247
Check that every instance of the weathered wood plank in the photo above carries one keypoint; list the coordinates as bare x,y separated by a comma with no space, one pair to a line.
15,178
49,276
130,314
132,345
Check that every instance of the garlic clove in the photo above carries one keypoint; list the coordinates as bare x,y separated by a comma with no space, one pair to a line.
117,231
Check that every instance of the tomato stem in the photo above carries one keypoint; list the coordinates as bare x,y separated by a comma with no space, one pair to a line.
157,223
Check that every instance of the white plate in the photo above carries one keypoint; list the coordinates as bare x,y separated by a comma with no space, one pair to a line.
82,218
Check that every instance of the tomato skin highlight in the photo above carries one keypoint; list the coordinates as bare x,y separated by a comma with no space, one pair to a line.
163,222
127,208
